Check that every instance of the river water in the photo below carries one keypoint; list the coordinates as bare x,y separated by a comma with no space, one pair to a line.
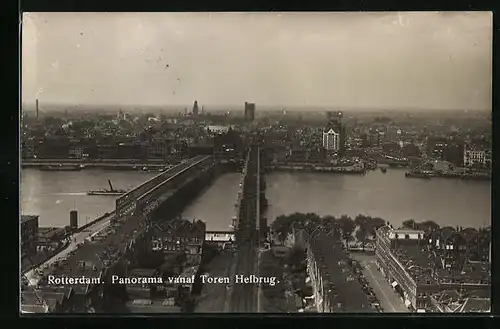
391,196
53,194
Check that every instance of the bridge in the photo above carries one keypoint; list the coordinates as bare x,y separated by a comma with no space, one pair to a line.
106,248
244,298
141,198
99,251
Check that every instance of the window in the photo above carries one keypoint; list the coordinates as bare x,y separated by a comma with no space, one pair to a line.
407,236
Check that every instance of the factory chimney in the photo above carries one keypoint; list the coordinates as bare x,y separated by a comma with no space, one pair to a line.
489,256
37,109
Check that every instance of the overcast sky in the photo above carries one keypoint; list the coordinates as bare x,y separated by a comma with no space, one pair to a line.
355,60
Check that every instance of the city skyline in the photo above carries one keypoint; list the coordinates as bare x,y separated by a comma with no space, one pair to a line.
345,60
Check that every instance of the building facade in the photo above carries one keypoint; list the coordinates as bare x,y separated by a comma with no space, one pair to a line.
390,265
180,235
158,148
29,235
331,140
476,157
417,268
334,133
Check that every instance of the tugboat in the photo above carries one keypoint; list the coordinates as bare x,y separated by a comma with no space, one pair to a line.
62,168
111,191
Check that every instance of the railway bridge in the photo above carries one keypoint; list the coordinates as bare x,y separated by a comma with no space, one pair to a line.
250,231
147,197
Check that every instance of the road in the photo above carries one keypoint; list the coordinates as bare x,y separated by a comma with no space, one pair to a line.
243,297
77,239
260,293
389,300
214,296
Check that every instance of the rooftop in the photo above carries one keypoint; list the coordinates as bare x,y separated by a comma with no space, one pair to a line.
152,306
52,297
453,301
181,227
33,309
50,232
93,256
27,218
427,264
476,305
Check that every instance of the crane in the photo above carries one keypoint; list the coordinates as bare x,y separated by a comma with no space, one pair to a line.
110,186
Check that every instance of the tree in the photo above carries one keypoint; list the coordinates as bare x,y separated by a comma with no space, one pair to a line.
328,220
346,225
361,236
284,224
295,257
361,220
281,226
469,234
428,226
374,224
410,223
446,233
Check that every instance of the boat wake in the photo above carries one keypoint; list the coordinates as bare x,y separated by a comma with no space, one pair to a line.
67,193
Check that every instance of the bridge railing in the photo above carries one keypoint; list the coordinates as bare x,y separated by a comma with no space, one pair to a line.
157,193
155,186
134,194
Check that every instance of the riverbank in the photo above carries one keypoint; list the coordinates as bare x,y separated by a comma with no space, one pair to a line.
455,175
98,219
78,166
317,169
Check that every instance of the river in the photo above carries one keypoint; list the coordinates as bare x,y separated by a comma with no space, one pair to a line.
53,194
391,196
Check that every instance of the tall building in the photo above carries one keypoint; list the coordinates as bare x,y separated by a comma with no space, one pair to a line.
195,108
334,133
331,140
249,111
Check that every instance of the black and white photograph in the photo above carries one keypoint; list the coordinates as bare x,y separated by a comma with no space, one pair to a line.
255,162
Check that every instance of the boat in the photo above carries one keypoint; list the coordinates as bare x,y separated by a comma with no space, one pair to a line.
61,168
417,175
383,169
111,191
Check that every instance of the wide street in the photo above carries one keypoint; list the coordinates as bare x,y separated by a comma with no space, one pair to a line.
389,300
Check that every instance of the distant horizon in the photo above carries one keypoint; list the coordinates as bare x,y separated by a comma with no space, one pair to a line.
32,105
